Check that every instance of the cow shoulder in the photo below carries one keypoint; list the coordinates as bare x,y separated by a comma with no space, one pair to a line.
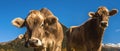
69,31
73,26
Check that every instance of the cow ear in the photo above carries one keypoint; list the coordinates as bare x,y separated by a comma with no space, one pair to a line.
18,22
51,20
46,12
113,12
54,19
20,36
91,14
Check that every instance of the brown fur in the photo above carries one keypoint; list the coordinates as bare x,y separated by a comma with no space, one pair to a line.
44,26
88,37
53,30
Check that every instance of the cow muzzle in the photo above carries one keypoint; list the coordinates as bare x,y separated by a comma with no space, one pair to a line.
35,42
104,23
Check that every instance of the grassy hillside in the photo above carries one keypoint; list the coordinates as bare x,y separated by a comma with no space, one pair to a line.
15,45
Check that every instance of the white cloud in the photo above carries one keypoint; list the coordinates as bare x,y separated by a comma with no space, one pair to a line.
117,30
118,44
112,45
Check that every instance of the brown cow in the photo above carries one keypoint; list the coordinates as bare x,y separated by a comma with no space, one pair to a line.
88,36
44,32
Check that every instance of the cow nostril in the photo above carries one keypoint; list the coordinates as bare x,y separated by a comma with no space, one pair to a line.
103,22
36,41
33,40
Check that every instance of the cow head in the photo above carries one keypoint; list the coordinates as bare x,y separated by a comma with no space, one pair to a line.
34,24
37,23
102,16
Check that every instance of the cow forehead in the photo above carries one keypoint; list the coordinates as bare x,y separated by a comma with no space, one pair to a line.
33,16
35,13
103,9
34,19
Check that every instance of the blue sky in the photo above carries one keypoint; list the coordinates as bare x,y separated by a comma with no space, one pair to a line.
69,12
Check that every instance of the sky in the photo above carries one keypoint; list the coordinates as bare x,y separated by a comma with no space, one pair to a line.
69,13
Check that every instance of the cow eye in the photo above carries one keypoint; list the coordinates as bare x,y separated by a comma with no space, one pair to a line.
42,24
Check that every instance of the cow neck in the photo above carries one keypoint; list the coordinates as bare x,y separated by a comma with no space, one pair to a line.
93,31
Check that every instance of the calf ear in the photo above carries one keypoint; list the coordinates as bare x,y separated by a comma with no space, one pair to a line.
18,22
46,12
20,36
113,12
91,14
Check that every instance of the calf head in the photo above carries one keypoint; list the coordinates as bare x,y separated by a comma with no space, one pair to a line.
37,23
102,16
